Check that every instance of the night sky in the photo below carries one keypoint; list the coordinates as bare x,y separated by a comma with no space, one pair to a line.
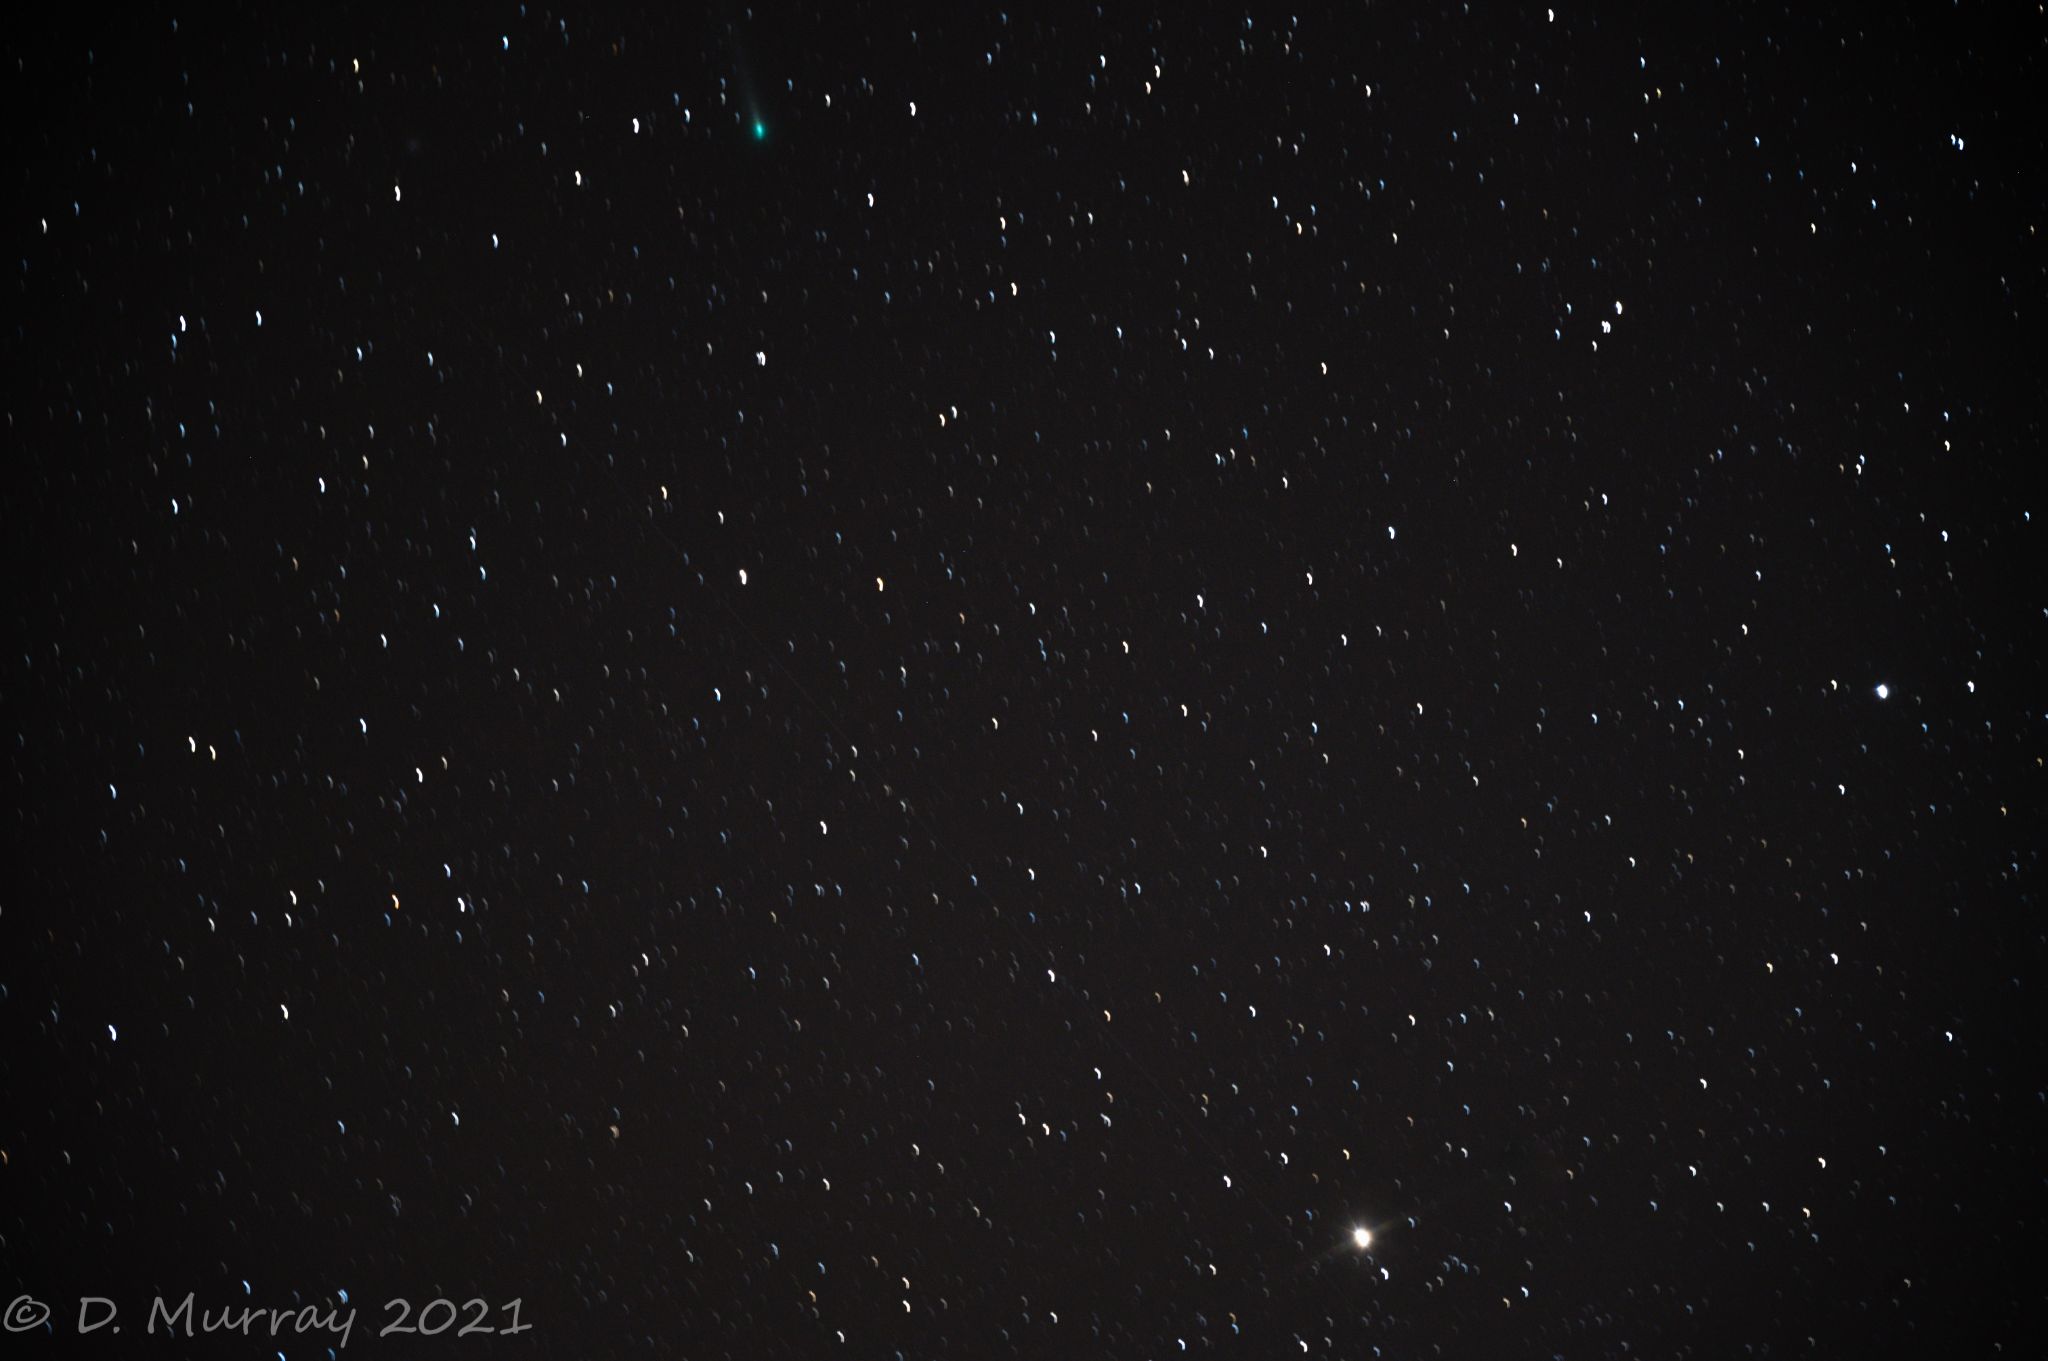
855,682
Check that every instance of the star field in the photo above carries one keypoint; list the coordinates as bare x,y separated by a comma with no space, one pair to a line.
960,683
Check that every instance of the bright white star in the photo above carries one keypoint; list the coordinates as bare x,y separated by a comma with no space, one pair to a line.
1362,1238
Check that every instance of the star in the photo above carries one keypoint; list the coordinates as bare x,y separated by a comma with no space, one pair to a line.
1361,1238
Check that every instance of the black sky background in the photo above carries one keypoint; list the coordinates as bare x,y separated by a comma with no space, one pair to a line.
1293,649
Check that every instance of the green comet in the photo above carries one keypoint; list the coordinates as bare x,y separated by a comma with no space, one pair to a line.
760,131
